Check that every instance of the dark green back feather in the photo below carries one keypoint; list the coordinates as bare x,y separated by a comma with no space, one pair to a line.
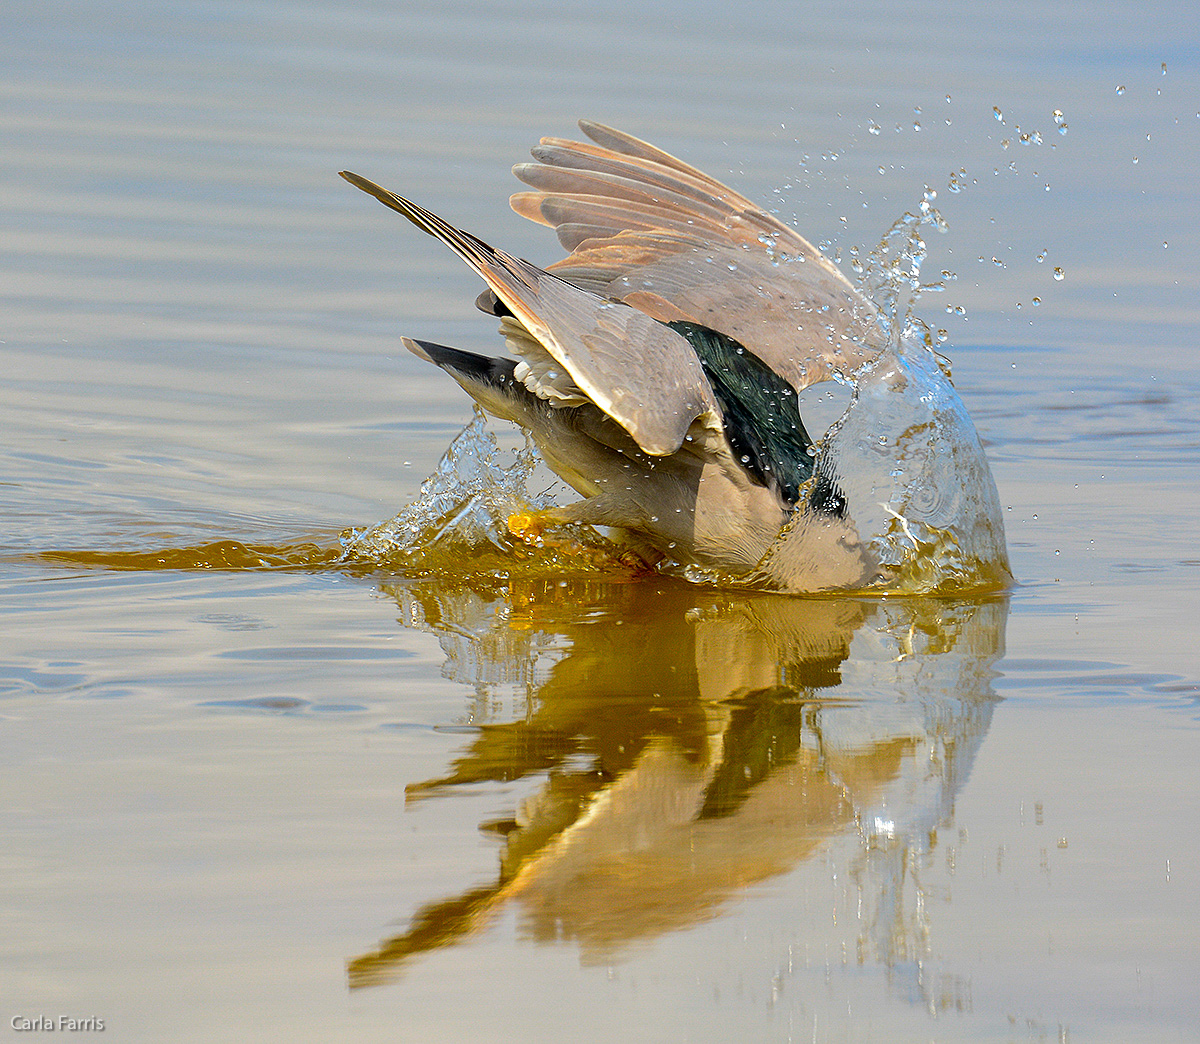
762,419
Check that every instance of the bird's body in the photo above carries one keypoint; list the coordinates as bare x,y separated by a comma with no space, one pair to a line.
658,365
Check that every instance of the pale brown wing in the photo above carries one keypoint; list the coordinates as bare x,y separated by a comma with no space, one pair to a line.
642,374
645,228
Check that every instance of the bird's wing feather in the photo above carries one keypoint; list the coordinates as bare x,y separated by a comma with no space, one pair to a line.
644,227
642,374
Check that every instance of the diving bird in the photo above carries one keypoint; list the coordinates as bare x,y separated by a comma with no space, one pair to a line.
657,366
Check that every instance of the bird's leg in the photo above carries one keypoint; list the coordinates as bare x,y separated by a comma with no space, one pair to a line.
591,511
633,553
529,526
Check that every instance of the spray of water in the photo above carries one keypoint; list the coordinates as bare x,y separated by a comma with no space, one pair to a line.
458,524
911,462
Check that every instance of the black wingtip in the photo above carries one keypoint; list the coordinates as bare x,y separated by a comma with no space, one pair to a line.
483,369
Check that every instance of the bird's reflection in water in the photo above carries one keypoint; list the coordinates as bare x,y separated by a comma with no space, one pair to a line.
691,744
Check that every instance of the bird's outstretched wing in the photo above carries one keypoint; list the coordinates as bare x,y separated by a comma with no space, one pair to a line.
645,228
641,373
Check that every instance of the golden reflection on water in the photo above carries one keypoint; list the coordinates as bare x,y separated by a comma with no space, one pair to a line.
219,555
687,745
679,744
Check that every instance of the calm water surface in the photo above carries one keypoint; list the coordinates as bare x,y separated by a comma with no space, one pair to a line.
264,797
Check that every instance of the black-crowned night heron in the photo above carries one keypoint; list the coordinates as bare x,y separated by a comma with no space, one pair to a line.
659,363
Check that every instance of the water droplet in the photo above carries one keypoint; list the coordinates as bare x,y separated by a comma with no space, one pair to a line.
959,310
1164,68
1041,257
943,336
732,266
874,128
916,125
948,97
1120,90
997,262
1058,274
882,171
1037,301
999,115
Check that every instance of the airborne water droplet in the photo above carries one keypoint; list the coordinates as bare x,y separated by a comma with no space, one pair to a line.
999,115
1120,90
1058,274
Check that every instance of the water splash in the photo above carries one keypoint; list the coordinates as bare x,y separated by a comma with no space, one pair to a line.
905,452
458,523
889,276
465,500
